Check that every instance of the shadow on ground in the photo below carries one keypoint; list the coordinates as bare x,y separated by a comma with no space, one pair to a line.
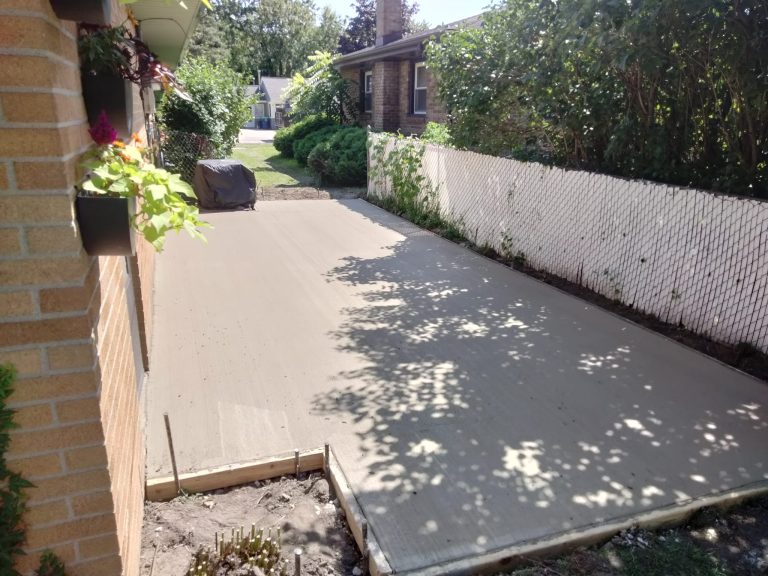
493,410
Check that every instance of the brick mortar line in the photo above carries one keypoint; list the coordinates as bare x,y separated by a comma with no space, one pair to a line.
45,125
40,16
24,287
37,193
65,158
55,523
48,373
39,90
67,471
55,425
41,256
17,405
39,53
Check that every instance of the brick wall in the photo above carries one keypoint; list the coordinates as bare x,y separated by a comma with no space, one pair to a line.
67,320
393,96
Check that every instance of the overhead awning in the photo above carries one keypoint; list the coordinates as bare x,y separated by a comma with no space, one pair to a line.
166,26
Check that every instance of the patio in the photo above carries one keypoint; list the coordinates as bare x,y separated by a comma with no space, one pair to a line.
471,407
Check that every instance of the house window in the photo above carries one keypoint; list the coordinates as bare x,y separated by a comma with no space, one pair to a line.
368,93
420,89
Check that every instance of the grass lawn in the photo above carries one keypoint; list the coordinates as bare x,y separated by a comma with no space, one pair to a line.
270,168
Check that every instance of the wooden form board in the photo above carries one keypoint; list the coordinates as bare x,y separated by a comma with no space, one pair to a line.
161,489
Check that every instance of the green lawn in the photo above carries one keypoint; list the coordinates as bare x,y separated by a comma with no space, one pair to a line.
270,168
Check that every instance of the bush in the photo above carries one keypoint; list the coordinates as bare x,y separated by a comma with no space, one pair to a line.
218,109
436,133
302,148
285,137
342,160
321,89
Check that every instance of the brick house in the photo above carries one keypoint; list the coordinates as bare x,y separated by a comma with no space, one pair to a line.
394,87
77,327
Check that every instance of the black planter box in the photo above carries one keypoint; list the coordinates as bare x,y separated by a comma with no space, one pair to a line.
114,96
105,225
88,11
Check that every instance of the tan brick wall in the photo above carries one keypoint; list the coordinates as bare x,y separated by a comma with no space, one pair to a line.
65,317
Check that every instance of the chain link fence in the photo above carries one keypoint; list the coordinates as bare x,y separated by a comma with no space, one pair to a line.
182,150
690,257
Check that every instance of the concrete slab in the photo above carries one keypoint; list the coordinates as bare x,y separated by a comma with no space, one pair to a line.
254,136
471,407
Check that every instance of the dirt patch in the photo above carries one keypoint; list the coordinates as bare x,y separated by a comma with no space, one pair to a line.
713,543
309,193
302,509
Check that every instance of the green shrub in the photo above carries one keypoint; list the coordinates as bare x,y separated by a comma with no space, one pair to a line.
342,160
285,137
302,148
218,109
436,133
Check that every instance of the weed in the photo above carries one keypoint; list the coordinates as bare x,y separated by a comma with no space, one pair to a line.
668,556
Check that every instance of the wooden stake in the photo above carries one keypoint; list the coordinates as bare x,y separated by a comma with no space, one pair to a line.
297,556
327,461
296,459
173,453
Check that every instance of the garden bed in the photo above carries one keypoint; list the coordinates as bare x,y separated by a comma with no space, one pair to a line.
303,510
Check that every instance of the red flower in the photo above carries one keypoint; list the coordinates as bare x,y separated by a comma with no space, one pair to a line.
103,132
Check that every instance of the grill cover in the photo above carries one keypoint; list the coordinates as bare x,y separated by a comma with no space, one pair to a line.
224,184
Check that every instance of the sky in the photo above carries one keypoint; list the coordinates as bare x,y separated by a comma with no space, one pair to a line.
435,12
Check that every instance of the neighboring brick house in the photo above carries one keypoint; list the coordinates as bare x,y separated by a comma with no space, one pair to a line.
76,327
394,87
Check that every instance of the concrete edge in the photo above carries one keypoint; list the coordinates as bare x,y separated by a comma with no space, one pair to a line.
509,557
377,561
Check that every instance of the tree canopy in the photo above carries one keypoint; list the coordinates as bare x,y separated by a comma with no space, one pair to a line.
273,36
669,90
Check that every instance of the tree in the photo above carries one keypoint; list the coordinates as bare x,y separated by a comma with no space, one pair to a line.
286,33
321,90
668,90
328,31
361,29
218,108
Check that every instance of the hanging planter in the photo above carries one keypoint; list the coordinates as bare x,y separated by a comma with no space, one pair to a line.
105,224
114,96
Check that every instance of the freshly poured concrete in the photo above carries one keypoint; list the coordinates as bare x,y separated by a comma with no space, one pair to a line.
471,407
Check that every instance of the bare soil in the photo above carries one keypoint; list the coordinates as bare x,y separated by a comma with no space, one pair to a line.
713,543
303,509
308,193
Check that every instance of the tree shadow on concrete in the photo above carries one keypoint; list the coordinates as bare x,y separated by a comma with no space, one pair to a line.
495,410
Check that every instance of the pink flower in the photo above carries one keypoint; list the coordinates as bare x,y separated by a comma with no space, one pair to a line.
103,132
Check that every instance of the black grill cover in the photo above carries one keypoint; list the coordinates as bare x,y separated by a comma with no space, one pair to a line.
224,184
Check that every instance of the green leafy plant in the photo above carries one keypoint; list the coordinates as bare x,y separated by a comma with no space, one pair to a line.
668,90
341,160
120,170
118,51
286,137
321,89
302,148
50,565
217,108
12,484
436,133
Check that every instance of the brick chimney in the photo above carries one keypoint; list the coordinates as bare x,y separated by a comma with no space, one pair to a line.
389,21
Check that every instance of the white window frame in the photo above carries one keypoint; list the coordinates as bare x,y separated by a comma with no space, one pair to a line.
417,89
368,90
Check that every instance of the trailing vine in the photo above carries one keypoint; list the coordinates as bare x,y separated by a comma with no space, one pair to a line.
13,498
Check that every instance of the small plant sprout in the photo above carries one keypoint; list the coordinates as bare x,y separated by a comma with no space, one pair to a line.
249,550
